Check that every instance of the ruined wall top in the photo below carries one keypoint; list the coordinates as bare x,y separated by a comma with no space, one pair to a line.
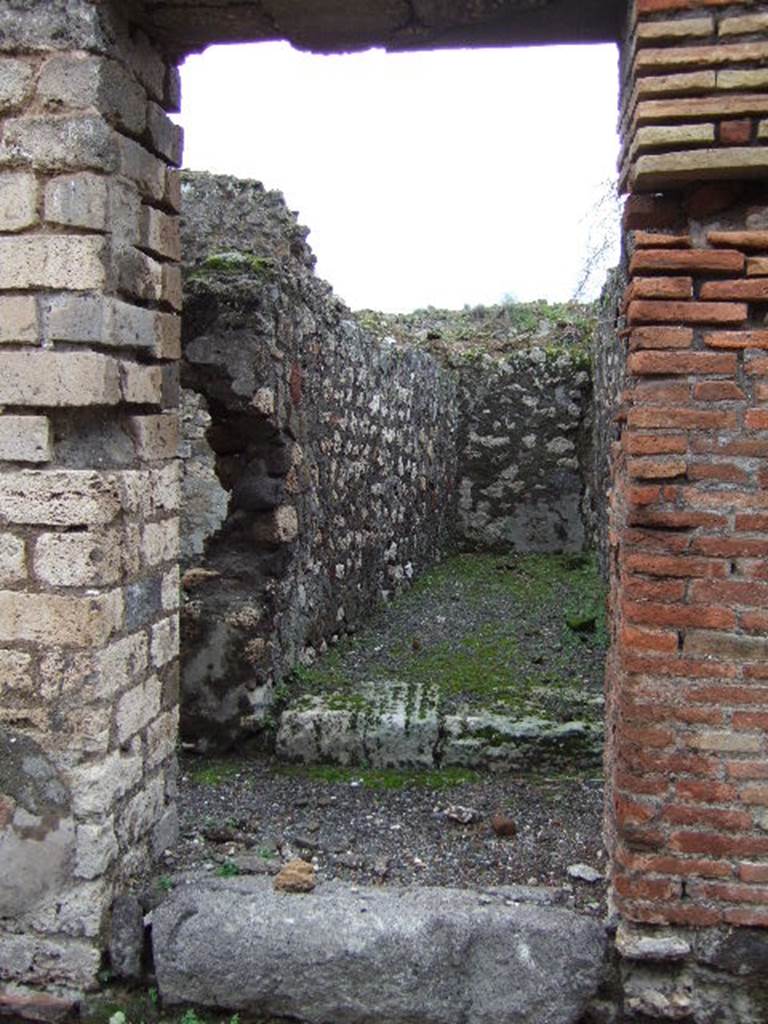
342,25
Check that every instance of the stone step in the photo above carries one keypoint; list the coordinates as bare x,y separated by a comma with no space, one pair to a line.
342,955
389,724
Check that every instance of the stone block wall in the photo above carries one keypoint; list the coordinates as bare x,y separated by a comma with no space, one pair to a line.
527,440
525,452
333,460
89,327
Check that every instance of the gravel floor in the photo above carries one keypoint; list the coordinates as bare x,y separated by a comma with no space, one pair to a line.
385,828
241,817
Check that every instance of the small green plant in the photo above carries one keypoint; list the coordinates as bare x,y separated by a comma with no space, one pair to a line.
227,870
165,883
266,853
191,1017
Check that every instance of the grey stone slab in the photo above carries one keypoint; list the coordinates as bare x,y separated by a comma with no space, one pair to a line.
404,956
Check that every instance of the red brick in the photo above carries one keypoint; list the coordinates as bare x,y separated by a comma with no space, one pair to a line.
728,646
668,913
747,917
649,613
753,872
705,792
724,499
638,495
647,738
749,289
750,720
671,566
660,337
755,622
681,668
757,366
730,892
665,419
646,888
717,391
632,812
761,392
698,260
651,311
707,817
725,547
756,419
752,523
752,568
663,542
692,715
659,288
675,764
736,339
731,592
747,769
666,865
640,785
756,672
735,133
750,447
649,391
712,197
674,520
718,471
654,590
754,795
642,837
654,444
728,695
648,640
680,362
655,239
647,211
638,713
739,239
656,469
712,843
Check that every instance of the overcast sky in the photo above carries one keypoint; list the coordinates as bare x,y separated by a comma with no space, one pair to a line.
441,178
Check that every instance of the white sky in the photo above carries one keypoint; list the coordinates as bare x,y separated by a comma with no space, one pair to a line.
440,178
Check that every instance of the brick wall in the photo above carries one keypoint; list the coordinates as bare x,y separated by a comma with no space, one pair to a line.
89,300
695,93
688,705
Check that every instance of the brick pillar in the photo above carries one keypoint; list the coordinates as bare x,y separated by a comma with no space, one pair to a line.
89,329
688,675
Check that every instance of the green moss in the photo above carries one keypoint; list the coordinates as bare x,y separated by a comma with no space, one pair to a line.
382,778
231,263
214,773
498,663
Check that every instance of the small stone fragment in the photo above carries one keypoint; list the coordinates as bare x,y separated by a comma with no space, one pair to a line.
584,873
296,876
253,864
463,815
504,826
